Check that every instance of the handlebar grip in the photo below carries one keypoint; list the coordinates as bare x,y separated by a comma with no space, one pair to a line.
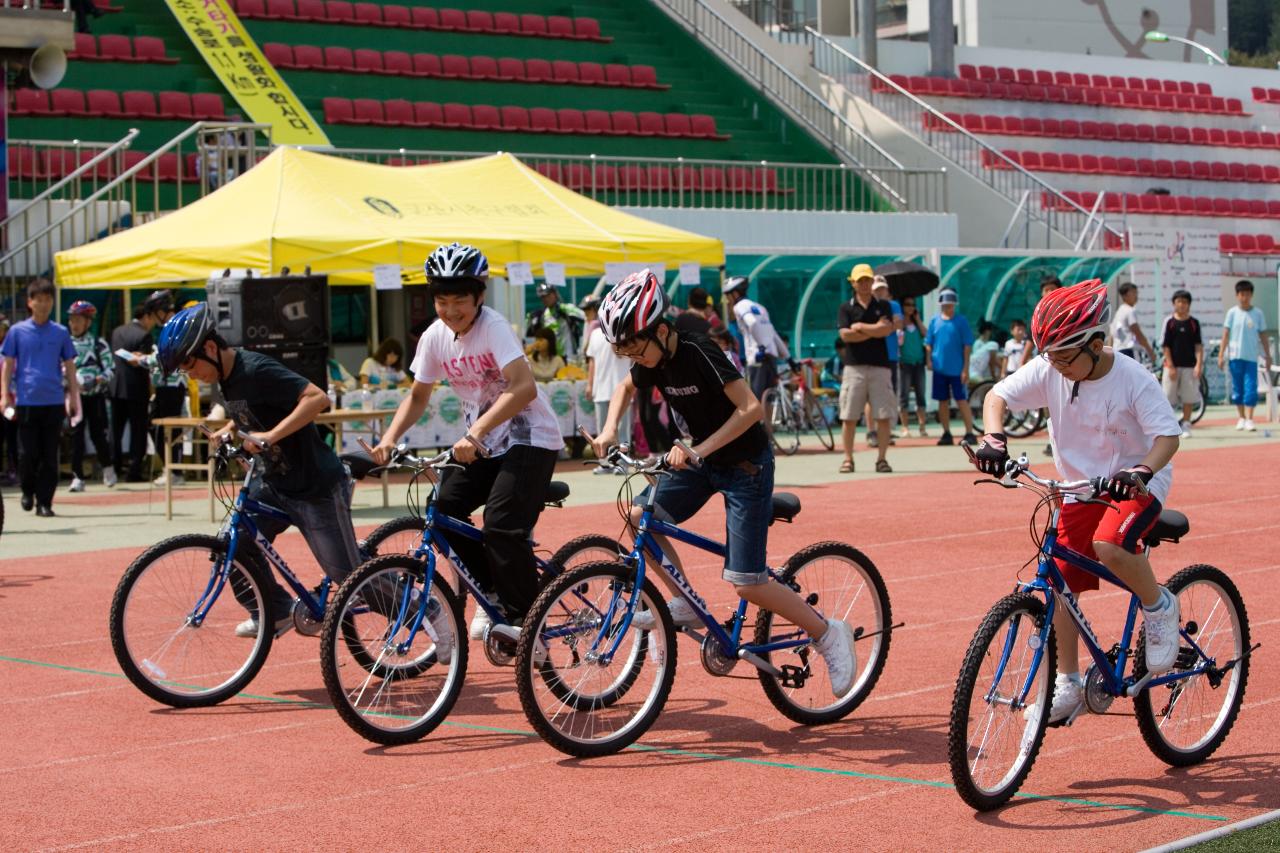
687,449
585,434
364,445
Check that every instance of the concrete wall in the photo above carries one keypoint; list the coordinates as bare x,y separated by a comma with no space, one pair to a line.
749,230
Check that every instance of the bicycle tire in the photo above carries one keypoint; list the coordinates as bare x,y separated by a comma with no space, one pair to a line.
778,419
879,634
1201,407
976,397
583,549
403,533
816,420
972,791
1155,731
157,672
558,727
377,722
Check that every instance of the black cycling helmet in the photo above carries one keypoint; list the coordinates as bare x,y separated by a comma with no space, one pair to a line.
456,270
589,302
159,300
735,284
183,336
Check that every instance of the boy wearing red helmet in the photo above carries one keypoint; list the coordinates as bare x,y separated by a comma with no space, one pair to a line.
93,371
1109,417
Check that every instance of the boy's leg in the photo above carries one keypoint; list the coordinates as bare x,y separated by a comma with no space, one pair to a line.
326,525
944,415
680,495
850,409
96,415
1118,543
1249,386
77,443
462,492
1067,639
511,510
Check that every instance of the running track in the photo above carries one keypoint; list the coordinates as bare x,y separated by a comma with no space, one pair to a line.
91,763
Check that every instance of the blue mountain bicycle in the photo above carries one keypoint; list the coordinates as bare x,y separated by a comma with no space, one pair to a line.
393,655
591,683
1003,694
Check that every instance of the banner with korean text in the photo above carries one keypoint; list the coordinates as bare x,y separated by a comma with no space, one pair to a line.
234,57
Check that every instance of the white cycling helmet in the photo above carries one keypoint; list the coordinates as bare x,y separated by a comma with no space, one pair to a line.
633,308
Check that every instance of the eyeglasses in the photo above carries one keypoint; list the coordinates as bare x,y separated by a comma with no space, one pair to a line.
1061,360
187,363
633,350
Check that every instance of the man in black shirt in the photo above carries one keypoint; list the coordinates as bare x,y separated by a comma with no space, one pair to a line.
730,454
1183,359
274,410
864,323
130,389
695,319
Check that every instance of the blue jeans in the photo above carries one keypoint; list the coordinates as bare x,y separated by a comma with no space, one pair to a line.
1244,382
748,509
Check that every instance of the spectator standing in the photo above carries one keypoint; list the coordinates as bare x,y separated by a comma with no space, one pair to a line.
93,373
1183,359
864,323
1015,349
729,346
880,290
761,342
131,390
565,321
605,372
8,432
947,344
543,359
911,367
169,390
590,305
37,354
700,317
984,358
1126,333
1244,337
382,369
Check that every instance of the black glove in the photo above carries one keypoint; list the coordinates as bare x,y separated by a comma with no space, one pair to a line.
992,454
1130,483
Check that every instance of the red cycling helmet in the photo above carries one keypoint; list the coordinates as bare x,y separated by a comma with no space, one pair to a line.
1068,317
82,308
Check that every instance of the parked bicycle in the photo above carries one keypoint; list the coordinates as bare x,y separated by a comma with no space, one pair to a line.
1004,692
792,410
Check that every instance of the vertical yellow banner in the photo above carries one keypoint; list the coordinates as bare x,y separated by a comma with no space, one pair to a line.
233,55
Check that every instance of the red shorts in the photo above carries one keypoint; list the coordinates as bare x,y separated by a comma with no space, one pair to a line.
1080,525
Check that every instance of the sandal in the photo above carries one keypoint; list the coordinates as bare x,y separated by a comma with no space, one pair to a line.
882,466
846,467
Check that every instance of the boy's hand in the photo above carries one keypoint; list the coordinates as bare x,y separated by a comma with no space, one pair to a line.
992,454
1130,483
602,442
1222,359
382,453
678,458
464,452
1173,372
1199,371
255,444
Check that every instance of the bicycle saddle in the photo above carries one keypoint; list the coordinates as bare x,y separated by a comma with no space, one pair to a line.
786,506
1171,526
360,463
557,491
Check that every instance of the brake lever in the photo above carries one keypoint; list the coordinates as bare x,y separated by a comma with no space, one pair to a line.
1001,483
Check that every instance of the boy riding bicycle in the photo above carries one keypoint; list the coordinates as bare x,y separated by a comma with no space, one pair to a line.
274,410
512,439
722,417
1108,416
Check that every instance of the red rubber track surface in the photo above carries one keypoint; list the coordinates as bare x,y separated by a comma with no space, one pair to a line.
90,762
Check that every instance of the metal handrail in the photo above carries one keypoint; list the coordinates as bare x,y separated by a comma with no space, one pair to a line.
958,144
787,91
86,168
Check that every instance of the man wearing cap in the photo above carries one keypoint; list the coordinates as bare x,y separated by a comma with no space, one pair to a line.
565,320
865,323
947,345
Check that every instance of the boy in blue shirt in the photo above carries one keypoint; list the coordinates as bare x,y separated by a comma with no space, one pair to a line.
1244,336
38,353
946,346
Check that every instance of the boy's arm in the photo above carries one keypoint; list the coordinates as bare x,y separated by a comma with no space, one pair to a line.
1199,360
73,389
408,412
1222,348
1142,340
1162,450
746,411
310,403
1264,347
6,371
964,359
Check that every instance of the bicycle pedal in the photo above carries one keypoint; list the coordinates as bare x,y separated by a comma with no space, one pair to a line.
794,676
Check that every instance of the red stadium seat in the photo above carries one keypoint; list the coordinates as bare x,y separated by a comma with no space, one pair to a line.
625,123
543,120
515,119
560,27
368,111
175,105
506,22
1126,165
397,16
1237,173
1071,162
987,73
453,19
479,21
1219,172
588,29
368,14
537,70
207,105
398,112
1271,173
1235,107
686,178
617,75
713,179
339,11
307,56
1246,244
604,177
115,48
151,49
633,178
967,72
571,121
485,117
457,115
1273,209
704,127
678,125
1052,126
1252,139
1242,207
139,104
1235,138
1149,205
279,10
424,65
369,61
251,9
577,176
1253,173
87,48
339,59
533,25
1007,75
311,10
591,73
598,122
339,111
484,68
1044,78
1089,164
1221,206
279,55
454,66
428,113
424,18
398,62
550,171
651,124
1032,126
510,69
1266,244
1182,170
660,178
563,71
103,102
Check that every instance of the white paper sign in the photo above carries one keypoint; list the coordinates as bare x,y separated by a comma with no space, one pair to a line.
1188,260
618,270
553,273
690,274
520,273
386,277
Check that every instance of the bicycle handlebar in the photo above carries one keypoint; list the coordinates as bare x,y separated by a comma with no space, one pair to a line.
402,458
618,457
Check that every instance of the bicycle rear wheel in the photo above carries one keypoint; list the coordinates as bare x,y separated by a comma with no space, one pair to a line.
816,420
387,688
1198,412
158,646
839,582
977,396
589,548
577,703
1185,721
993,740
400,535
780,421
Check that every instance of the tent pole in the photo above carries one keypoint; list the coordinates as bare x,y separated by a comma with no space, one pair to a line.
373,318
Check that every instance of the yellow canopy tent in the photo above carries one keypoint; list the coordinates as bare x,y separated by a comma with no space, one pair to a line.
342,217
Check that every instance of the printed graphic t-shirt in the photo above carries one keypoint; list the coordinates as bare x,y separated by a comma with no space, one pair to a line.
1110,426
472,365
1244,326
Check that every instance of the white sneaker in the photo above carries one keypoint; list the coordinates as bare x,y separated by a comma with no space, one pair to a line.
1068,699
77,485
109,477
1162,638
178,479
681,614
836,648
479,622
1186,429
249,627
1240,423
603,469
1248,425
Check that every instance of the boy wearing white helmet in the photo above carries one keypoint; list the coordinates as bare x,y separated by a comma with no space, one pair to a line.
764,346
721,417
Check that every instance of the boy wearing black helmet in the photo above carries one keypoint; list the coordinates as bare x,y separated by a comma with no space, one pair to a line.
512,437
274,410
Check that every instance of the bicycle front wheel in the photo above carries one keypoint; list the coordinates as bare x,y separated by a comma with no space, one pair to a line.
994,737
388,686
1184,722
577,701
780,421
840,582
160,645
816,420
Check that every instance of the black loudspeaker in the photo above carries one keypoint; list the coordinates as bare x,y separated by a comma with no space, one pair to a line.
310,361
254,312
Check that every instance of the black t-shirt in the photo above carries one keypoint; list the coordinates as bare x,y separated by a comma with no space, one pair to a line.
1182,337
873,352
258,394
692,382
129,382
692,321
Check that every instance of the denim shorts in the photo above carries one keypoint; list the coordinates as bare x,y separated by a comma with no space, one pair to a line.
748,508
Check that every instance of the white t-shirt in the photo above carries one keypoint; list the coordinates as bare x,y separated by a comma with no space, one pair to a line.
1014,352
1111,425
611,368
758,333
1122,336
473,367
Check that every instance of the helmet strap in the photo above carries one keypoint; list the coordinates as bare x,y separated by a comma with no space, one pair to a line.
1093,357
